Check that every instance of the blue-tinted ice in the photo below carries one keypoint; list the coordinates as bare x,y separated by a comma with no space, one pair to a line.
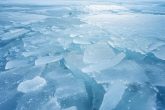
82,55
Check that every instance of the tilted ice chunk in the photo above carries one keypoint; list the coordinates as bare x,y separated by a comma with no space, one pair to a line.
31,85
98,53
75,60
138,97
160,52
127,70
113,96
104,64
13,34
100,56
16,63
47,59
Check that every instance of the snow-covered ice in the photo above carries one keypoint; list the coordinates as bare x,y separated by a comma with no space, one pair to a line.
31,85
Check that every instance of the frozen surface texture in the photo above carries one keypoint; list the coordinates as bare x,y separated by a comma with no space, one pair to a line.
82,55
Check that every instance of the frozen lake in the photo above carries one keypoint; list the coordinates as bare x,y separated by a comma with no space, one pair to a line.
81,55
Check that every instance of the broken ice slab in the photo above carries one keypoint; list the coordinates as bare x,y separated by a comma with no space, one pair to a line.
31,85
113,95
74,60
138,97
47,59
104,64
17,63
13,34
127,70
100,56
160,52
98,52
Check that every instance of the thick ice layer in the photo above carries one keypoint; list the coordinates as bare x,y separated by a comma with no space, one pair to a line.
31,85
113,95
47,59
